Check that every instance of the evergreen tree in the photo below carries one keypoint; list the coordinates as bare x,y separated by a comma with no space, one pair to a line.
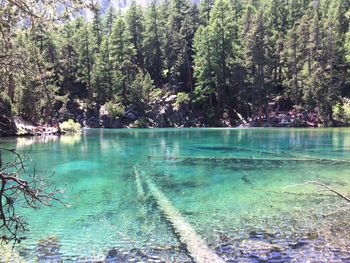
241,54
134,21
204,11
84,47
176,45
122,54
257,62
203,72
96,29
327,75
214,56
278,15
347,46
108,21
68,60
152,44
140,90
294,62
296,10
102,75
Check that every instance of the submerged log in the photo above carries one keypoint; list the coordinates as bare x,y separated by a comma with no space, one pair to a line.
252,158
195,244
140,191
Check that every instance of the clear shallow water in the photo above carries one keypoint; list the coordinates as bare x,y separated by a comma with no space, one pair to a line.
235,187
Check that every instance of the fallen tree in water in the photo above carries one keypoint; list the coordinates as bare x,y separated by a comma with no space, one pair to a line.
195,245
330,161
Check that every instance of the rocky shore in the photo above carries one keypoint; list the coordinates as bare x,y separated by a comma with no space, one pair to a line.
163,112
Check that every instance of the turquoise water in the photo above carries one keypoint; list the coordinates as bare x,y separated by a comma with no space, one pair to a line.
241,189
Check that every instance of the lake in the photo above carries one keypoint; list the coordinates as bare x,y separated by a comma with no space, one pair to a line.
242,190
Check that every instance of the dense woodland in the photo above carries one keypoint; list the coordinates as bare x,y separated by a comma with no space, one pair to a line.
222,58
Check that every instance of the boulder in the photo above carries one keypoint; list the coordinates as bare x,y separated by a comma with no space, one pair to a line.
48,250
171,98
131,115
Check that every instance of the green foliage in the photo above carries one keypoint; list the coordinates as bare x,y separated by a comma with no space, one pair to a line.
341,111
5,103
214,56
70,126
227,56
140,91
139,123
347,46
152,44
182,98
114,109
135,24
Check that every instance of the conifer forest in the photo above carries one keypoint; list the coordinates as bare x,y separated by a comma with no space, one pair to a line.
212,61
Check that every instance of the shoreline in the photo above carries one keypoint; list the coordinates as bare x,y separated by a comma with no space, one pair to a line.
31,135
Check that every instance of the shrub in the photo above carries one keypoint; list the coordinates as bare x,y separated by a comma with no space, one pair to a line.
341,111
70,126
156,94
181,98
115,110
139,123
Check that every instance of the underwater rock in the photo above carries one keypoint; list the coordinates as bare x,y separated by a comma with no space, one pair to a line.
48,250
115,255
258,245
225,249
299,243
259,235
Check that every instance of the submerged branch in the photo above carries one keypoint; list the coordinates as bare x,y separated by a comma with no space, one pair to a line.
328,188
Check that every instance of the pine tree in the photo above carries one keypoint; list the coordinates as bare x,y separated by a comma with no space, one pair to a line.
68,60
204,11
102,75
108,20
294,63
257,62
84,49
347,46
278,15
221,28
327,75
203,72
296,10
214,57
176,45
96,29
140,90
152,44
135,24
122,56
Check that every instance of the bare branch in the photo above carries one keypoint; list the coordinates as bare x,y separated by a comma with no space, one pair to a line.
19,187
327,188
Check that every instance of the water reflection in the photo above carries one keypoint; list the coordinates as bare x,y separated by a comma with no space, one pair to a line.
228,183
